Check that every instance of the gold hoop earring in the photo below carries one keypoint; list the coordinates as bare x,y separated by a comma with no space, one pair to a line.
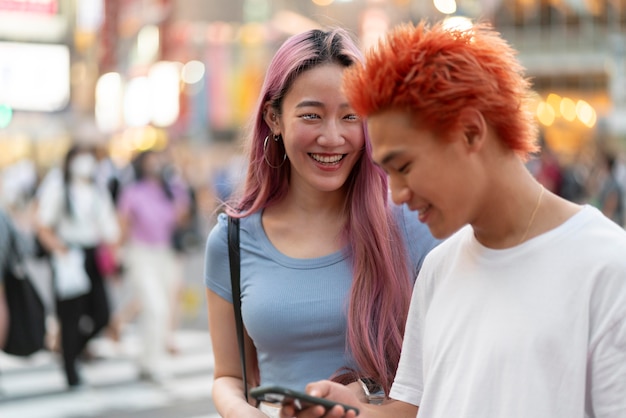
267,161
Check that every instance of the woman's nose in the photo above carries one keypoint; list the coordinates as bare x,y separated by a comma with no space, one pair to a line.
331,135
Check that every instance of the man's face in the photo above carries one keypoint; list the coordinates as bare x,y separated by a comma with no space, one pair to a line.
430,174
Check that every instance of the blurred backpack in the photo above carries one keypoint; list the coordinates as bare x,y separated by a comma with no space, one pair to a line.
27,314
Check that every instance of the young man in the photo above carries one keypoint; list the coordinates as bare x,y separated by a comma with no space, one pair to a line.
521,312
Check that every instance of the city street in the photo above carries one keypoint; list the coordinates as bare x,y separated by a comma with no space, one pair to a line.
35,387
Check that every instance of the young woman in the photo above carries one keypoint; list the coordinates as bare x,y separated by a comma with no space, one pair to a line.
326,269
74,217
149,211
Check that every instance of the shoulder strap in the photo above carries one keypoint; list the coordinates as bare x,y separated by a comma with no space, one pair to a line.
233,257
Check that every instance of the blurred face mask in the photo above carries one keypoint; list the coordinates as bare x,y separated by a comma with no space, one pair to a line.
83,166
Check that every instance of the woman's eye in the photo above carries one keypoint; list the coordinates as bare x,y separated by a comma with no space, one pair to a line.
352,117
309,116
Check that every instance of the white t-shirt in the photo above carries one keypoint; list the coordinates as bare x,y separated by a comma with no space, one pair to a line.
93,219
534,331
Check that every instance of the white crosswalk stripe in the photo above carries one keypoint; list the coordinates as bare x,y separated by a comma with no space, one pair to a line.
35,387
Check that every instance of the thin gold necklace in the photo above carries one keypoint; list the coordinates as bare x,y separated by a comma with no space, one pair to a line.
532,217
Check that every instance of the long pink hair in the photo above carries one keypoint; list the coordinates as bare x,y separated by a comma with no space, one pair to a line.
381,289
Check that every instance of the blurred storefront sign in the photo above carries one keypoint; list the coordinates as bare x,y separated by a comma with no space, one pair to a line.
33,20
23,84
30,6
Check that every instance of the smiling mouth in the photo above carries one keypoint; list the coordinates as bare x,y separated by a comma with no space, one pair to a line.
423,211
327,159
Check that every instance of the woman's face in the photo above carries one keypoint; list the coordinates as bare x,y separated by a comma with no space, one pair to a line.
83,166
152,165
322,135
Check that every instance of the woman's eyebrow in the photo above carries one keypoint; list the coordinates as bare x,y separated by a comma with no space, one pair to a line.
310,103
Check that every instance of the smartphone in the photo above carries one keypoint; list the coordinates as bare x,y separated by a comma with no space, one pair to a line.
300,400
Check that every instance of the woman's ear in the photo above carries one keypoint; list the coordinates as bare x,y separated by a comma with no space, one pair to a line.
271,118
474,127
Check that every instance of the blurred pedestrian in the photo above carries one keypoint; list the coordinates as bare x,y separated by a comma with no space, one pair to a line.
5,251
610,196
326,265
549,171
150,209
521,311
74,217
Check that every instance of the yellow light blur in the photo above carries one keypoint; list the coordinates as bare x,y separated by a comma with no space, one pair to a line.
586,113
554,100
445,6
568,109
120,150
148,138
545,113
323,2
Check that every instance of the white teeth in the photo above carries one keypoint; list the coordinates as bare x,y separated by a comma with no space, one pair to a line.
327,159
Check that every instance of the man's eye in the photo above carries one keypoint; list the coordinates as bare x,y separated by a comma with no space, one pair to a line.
403,169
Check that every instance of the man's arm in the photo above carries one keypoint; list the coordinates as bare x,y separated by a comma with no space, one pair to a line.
342,394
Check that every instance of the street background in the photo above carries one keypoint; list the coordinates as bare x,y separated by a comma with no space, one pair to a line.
36,387
182,76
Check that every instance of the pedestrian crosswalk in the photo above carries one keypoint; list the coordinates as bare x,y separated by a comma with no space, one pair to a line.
35,387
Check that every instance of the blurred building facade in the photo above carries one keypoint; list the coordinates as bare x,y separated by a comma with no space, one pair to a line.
138,74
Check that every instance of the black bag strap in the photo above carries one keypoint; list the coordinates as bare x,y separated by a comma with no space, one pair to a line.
233,258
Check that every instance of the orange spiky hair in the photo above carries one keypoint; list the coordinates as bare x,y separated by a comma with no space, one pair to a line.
435,72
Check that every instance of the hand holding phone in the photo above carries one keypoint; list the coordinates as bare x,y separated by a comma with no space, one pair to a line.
300,400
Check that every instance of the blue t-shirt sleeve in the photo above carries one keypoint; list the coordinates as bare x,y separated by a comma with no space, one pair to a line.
417,237
216,264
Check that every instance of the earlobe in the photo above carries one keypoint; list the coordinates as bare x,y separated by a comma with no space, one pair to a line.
271,119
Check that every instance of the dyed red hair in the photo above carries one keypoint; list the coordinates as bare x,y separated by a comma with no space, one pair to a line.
435,72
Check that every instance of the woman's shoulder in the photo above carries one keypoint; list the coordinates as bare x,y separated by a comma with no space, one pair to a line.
219,231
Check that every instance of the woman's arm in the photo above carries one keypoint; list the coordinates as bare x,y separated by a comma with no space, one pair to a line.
228,382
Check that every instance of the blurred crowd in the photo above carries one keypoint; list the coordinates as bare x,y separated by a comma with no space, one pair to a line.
112,239
597,177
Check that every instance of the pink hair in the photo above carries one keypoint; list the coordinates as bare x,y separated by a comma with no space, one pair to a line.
380,292
436,72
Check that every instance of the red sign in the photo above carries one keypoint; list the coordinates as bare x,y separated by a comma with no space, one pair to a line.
50,7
